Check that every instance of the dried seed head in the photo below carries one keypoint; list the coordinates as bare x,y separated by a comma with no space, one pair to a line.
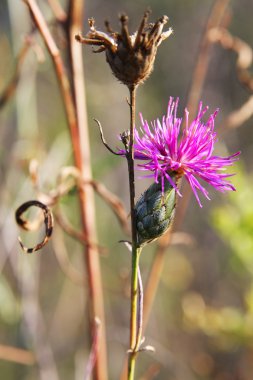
155,212
131,57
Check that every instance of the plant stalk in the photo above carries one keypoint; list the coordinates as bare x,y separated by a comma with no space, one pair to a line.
135,333
74,103
134,338
86,194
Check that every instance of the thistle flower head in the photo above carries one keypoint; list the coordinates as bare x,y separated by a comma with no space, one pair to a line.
131,57
169,151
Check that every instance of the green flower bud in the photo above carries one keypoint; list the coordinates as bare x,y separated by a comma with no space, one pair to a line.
154,212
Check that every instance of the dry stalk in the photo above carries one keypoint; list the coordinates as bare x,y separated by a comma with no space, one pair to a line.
74,103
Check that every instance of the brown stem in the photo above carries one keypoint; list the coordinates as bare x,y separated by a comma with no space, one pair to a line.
215,18
60,72
10,89
86,193
130,160
57,10
17,355
244,61
76,117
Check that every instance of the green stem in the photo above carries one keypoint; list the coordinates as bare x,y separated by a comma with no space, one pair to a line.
134,335
130,161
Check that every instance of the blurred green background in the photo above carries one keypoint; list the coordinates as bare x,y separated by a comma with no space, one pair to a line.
202,320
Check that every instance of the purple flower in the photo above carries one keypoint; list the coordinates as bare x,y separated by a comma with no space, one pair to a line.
169,155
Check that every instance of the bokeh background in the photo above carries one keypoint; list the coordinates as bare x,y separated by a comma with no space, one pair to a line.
201,322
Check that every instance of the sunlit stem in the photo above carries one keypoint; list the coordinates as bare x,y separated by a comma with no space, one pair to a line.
135,329
134,321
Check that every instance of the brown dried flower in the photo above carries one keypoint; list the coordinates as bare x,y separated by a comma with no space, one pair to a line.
131,57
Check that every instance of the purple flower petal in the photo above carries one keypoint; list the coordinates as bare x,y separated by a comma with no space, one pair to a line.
167,150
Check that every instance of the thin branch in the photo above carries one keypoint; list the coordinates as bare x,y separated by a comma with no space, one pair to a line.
64,186
215,19
94,349
74,103
244,61
17,355
58,11
238,117
103,138
60,71
10,89
241,48
91,255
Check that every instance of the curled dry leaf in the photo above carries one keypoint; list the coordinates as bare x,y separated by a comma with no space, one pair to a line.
28,226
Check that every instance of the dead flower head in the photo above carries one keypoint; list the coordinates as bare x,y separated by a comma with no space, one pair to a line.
131,57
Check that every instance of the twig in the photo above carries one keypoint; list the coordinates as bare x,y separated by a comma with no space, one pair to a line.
57,10
64,186
215,19
10,89
16,355
60,71
244,61
94,349
242,49
91,255
103,138
238,117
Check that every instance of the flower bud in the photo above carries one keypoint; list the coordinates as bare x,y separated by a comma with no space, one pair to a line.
154,212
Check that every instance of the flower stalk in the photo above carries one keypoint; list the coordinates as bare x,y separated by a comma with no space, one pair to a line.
135,249
135,337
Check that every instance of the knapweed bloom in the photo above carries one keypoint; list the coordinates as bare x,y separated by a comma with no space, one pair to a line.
170,151
131,57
